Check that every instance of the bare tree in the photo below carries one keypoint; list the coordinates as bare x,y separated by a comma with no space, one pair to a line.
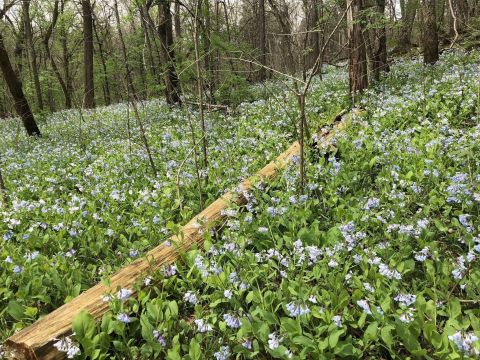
379,60
15,86
312,32
196,36
67,91
132,95
165,33
89,90
430,31
263,39
32,54
178,28
106,83
358,69
409,12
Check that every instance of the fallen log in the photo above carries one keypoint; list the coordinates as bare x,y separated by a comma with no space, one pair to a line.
213,107
36,341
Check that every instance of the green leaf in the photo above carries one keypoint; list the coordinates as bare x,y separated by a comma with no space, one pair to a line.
83,326
16,310
371,332
147,328
440,226
386,335
249,297
173,355
345,350
194,350
173,309
303,341
333,338
455,308
409,340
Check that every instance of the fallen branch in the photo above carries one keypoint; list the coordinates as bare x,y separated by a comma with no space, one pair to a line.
210,106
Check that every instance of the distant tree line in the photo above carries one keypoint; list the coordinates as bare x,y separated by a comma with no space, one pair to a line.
59,54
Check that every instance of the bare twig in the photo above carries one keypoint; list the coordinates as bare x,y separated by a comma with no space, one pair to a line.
266,67
450,5
200,88
3,190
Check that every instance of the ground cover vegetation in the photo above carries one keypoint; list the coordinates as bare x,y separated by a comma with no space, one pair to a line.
377,259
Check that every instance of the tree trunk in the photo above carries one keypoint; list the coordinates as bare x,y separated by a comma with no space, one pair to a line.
31,53
15,86
66,62
282,16
165,33
204,19
408,18
132,95
380,63
430,32
358,69
143,22
312,40
19,48
66,91
106,84
196,36
89,90
178,29
461,11
263,40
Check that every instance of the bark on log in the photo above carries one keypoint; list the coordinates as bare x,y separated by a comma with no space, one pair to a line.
36,341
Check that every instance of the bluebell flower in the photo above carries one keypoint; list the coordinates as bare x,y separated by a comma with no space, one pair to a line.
67,346
337,320
159,337
124,318
465,342
372,203
8,235
133,253
296,309
406,299
223,353
203,326
124,294
364,306
247,344
232,321
274,341
190,297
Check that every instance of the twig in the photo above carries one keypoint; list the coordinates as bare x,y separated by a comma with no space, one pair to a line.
266,67
450,5
3,190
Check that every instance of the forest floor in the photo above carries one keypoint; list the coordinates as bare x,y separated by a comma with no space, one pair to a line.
378,259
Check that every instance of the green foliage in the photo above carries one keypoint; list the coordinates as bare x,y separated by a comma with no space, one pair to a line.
378,259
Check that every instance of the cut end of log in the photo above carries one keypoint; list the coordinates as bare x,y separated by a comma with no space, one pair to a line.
18,351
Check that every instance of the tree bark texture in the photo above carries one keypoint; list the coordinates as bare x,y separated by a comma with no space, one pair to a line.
358,69
430,32
15,87
89,89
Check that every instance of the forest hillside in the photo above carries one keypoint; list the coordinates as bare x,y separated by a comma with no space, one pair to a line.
239,179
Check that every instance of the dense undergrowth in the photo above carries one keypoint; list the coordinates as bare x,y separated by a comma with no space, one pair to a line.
379,259
84,200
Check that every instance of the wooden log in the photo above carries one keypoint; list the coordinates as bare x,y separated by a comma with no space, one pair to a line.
36,341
